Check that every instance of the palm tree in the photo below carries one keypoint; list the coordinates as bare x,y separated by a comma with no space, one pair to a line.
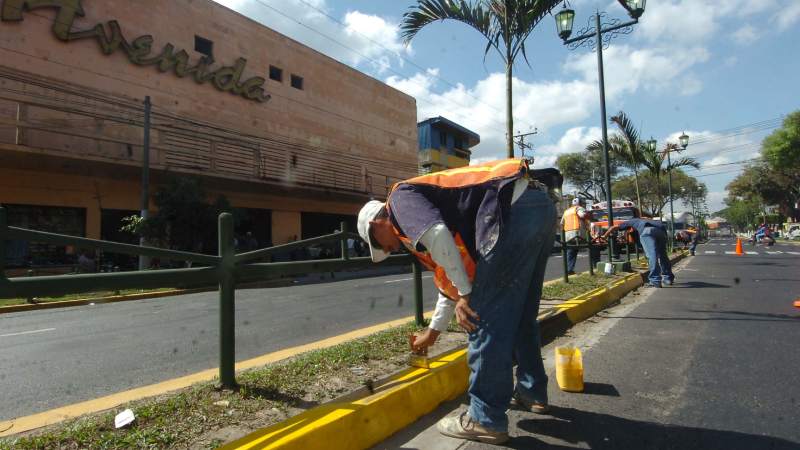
632,153
505,24
653,160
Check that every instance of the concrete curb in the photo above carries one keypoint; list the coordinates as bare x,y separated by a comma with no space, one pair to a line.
99,300
412,393
142,296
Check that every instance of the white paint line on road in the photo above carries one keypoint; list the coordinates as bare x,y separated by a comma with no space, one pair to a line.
406,279
730,253
44,330
775,253
793,253
752,253
711,252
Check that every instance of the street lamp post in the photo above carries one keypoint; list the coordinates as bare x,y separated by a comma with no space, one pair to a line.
595,37
668,149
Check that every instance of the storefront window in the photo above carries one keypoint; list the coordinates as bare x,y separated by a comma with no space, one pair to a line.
54,219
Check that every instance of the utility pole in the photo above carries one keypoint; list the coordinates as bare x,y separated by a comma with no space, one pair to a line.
521,141
144,261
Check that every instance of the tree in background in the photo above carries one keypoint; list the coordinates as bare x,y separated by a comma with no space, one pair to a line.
653,202
632,152
185,218
741,214
775,179
584,170
657,169
506,25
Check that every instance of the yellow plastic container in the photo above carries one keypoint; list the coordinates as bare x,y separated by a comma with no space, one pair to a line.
569,369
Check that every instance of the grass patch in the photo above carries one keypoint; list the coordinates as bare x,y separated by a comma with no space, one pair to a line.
578,284
83,296
266,395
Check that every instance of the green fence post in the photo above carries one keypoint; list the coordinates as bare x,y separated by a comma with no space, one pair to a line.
591,261
417,270
227,293
343,242
564,254
3,232
628,249
30,299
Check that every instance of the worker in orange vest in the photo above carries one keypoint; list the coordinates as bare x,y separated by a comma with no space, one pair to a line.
485,231
576,231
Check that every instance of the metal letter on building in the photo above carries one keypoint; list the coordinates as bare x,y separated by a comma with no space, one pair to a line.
225,78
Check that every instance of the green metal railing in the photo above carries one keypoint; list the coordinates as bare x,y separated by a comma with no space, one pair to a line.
226,270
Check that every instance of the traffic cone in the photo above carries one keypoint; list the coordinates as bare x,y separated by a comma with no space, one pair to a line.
797,303
739,251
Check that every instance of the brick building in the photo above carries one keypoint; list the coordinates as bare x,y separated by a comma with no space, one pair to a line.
295,139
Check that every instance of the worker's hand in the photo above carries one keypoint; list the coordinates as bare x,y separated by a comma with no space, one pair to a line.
466,317
424,339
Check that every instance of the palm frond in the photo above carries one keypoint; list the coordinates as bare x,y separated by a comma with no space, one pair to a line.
631,135
426,12
684,162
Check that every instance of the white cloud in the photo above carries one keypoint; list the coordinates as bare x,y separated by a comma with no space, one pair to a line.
717,160
731,61
552,103
745,35
655,69
361,39
714,200
574,140
787,15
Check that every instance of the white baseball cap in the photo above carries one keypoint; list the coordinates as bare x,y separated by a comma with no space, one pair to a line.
577,201
369,212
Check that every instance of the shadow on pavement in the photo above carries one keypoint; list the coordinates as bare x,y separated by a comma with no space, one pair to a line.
780,317
697,284
603,431
600,389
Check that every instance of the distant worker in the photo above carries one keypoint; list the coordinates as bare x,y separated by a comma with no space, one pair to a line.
653,237
576,223
486,235
694,238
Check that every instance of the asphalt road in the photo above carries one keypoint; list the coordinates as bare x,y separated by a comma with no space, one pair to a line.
711,363
56,357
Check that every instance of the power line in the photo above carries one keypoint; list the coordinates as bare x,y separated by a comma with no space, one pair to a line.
401,56
744,161
356,52
741,130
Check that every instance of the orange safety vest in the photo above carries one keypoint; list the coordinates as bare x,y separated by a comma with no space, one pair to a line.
459,178
571,220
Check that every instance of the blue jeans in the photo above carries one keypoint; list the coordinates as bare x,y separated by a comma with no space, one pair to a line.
572,258
505,294
654,242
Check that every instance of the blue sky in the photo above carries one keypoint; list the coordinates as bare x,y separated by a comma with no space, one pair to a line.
723,71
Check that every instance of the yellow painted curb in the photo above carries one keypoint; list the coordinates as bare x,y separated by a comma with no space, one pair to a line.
586,305
413,393
99,300
27,423
409,395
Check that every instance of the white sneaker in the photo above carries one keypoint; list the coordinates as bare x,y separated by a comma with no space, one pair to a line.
462,426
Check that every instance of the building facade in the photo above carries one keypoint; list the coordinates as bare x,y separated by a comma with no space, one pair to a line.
292,137
444,144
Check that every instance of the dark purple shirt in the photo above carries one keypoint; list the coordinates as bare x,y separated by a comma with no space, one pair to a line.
476,212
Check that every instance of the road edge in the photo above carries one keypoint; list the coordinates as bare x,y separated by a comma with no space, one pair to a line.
413,392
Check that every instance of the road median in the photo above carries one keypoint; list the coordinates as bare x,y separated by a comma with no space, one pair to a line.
301,397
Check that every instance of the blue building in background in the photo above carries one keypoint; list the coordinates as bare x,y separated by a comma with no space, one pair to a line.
444,144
